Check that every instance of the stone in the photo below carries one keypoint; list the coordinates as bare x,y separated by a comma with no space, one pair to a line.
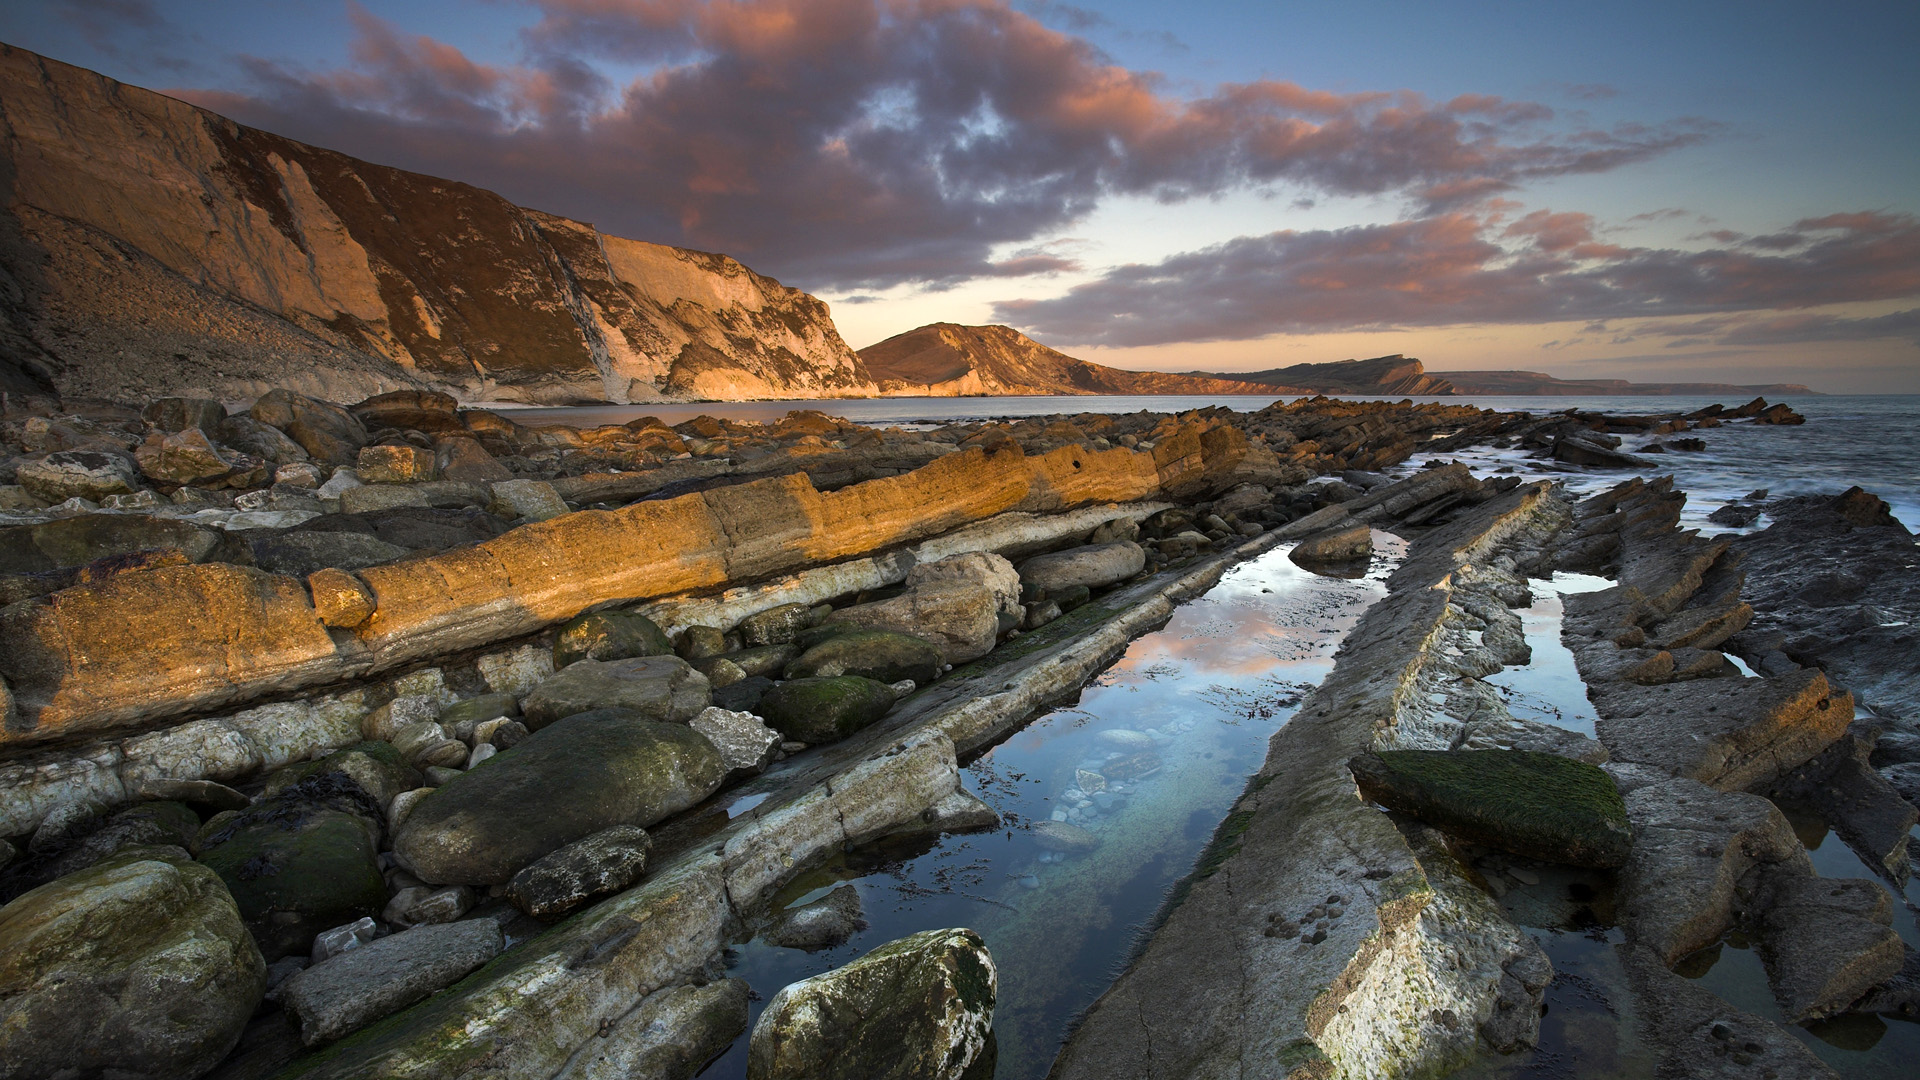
919,1007
533,500
464,717
327,432
207,795
746,745
826,923
774,626
1339,544
882,655
1539,805
376,766
501,734
151,824
138,966
301,862
304,475
462,458
1094,566
351,990
189,457
84,474
1063,836
182,413
743,696
1827,942
78,541
1585,449
1039,614
1731,734
699,642
402,805
439,906
656,687
959,617
263,441
331,943
671,1035
978,567
301,553
573,778
342,481
394,465
827,709
609,635
768,661
419,410
417,495
403,711
515,671
605,862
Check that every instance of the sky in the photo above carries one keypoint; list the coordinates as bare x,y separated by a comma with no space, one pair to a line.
1646,191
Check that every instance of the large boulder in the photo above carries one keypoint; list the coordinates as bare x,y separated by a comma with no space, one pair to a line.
961,618
354,988
1539,805
980,568
825,710
84,474
1093,565
655,687
327,432
137,967
919,1007
573,778
301,862
609,635
882,655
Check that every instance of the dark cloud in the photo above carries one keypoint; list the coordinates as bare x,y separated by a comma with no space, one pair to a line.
1806,328
1453,269
849,143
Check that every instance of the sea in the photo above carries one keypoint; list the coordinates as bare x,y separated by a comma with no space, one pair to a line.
1872,441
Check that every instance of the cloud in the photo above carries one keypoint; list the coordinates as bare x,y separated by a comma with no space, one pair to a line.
1455,268
863,143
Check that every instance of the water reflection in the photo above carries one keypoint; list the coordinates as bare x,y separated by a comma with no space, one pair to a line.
1548,687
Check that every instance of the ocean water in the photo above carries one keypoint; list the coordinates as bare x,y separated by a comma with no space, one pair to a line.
1869,440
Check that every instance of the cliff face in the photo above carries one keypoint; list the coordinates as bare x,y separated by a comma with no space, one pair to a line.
1394,374
152,247
950,360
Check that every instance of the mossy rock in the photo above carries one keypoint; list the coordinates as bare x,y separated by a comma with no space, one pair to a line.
575,777
826,709
1539,805
657,687
882,655
919,1007
608,635
376,766
479,710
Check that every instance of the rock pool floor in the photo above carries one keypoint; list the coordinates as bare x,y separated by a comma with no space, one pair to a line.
1171,731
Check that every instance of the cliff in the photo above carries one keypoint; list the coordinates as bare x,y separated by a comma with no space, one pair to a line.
151,247
950,360
1394,374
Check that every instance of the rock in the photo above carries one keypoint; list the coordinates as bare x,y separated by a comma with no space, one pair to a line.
978,567
1063,836
1338,544
573,778
1039,614
304,475
462,458
436,494
699,642
299,553
152,824
359,986
328,432
263,441
746,745
1093,566
206,795
1827,943
1539,805
882,655
776,625
1584,449
1904,778
403,711
825,710
656,687
136,967
439,906
418,410
743,696
394,465
341,482
182,413
1126,739
533,500
402,805
607,861
189,457
464,717
501,734
826,923
84,474
609,635
301,862
919,1007
960,618
77,541
331,943
769,661
376,766
1735,515
671,1035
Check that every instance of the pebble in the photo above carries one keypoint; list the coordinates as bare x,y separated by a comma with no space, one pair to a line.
1059,815
1030,881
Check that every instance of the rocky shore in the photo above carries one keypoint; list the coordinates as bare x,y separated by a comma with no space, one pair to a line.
399,739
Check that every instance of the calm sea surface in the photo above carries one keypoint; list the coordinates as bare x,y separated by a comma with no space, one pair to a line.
1869,440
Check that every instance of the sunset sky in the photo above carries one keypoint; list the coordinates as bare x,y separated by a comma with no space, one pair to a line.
1651,191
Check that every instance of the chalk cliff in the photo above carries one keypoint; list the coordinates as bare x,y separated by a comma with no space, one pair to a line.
950,360
152,247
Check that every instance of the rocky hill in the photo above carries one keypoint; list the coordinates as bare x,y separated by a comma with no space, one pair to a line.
1394,374
1535,382
950,360
151,247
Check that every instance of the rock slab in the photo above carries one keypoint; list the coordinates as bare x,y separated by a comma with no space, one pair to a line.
359,986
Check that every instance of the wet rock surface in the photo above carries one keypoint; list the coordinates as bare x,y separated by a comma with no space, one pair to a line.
1540,805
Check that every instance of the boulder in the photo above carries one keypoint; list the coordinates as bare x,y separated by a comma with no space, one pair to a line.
255,439
463,717
327,432
534,500
573,778
77,541
462,458
746,745
1340,544
883,655
189,457
607,861
136,967
959,617
415,528
826,923
301,862
978,567
699,642
1585,449
207,796
1539,805
150,824
609,635
776,625
419,410
83,474
919,1007
656,687
671,1035
356,987
767,661
376,766
745,695
825,710
182,413
394,465
1094,565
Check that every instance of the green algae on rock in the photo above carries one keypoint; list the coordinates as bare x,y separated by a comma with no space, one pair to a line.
1539,805
882,655
825,709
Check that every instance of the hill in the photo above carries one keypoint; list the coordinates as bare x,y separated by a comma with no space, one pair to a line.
950,360
1389,375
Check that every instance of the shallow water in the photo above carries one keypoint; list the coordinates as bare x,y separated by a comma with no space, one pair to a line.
1548,687
1202,696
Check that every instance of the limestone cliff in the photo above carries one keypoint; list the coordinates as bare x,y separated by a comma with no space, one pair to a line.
1394,374
151,247
950,360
